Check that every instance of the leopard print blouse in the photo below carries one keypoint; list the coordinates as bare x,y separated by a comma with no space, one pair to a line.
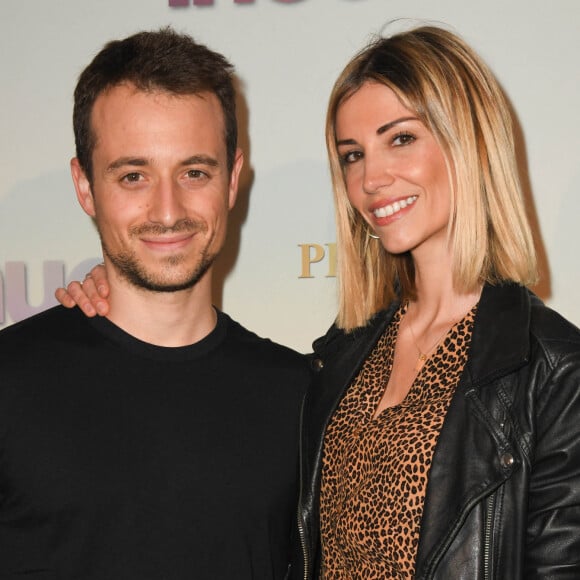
375,470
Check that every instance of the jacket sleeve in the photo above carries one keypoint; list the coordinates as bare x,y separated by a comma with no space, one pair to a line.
553,527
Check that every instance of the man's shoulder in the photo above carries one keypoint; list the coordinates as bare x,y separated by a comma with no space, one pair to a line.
247,343
36,350
50,325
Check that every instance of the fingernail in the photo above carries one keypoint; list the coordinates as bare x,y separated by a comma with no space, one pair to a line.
101,308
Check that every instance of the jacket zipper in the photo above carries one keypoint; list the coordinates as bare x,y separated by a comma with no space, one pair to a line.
490,507
303,545
301,532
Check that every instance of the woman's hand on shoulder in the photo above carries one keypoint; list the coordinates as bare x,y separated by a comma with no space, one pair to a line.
90,295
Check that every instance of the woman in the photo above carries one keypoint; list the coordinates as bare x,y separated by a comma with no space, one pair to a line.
440,439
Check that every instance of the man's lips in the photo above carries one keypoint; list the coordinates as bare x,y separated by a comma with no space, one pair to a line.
168,243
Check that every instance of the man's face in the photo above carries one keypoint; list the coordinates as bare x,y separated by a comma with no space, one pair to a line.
161,188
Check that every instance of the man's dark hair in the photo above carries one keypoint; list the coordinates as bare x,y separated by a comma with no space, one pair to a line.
159,60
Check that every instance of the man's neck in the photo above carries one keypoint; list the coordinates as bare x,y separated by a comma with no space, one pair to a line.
169,319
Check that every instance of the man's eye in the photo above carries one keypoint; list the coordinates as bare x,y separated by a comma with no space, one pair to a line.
196,174
132,177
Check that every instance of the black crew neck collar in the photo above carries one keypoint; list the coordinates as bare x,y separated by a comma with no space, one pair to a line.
117,335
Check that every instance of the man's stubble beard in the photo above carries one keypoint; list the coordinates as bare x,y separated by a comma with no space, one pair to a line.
131,269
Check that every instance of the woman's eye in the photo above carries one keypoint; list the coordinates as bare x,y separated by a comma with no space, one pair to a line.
351,157
403,139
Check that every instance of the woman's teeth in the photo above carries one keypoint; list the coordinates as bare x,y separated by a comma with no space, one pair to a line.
393,208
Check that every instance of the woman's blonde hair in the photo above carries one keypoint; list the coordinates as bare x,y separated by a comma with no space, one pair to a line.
435,74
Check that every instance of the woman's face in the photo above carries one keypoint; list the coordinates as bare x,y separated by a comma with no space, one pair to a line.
395,171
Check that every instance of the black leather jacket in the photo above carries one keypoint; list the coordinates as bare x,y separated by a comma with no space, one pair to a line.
503,498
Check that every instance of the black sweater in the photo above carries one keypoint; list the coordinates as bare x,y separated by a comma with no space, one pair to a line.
120,460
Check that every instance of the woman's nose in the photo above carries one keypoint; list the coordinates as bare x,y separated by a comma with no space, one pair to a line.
377,173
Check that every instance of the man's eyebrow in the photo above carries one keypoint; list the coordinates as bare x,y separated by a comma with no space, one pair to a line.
200,160
123,161
142,162
382,129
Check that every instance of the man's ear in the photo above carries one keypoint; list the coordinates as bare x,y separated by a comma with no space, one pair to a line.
82,187
235,177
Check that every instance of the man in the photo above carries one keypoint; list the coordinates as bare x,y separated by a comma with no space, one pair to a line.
158,442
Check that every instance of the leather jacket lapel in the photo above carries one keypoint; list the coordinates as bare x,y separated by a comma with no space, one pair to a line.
467,464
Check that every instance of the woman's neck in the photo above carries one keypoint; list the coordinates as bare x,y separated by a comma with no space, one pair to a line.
438,301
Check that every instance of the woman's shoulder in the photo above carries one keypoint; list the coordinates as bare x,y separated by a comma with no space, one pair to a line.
338,341
553,332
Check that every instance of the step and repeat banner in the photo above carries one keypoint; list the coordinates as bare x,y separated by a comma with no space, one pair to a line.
277,274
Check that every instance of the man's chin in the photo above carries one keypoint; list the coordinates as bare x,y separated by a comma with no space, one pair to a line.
164,281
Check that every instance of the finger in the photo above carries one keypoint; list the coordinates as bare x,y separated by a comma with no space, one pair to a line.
99,276
64,297
89,290
81,294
